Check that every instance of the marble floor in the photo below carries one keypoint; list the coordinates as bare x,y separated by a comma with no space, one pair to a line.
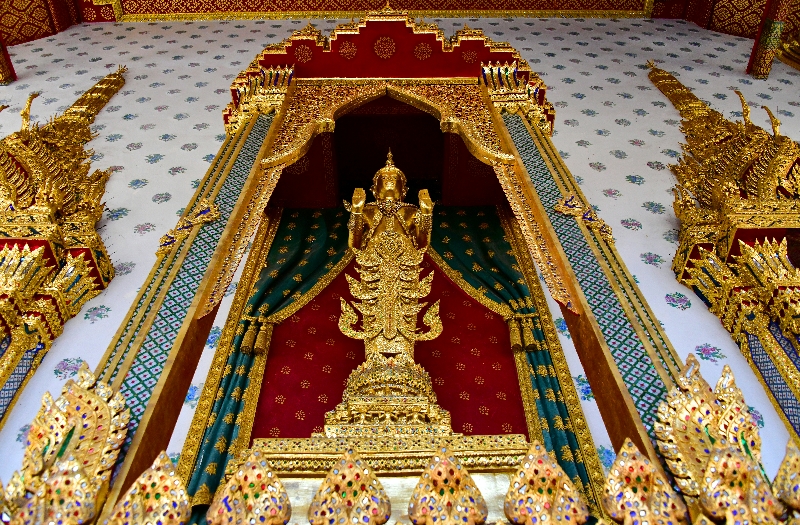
615,130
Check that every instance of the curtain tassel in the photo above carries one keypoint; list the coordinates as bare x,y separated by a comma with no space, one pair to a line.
247,341
529,341
263,339
515,334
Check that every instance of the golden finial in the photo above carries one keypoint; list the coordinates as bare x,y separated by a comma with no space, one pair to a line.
446,494
634,483
157,496
350,494
541,492
26,111
254,494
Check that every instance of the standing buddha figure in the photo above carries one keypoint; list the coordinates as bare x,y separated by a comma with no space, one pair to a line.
389,393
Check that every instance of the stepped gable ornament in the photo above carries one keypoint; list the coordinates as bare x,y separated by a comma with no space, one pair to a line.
391,38
541,492
446,494
156,497
254,494
636,493
350,493
52,259
389,393
695,421
73,443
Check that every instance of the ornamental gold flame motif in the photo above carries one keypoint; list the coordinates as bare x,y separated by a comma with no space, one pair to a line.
350,493
637,493
446,494
254,494
541,492
389,393
695,420
73,443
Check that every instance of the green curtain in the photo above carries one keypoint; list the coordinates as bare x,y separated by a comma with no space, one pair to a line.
308,244
478,250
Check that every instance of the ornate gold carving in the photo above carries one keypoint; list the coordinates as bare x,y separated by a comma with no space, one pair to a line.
571,205
534,239
540,492
350,494
789,50
515,94
446,494
636,492
389,393
72,446
787,482
694,420
254,494
53,260
203,212
157,496
388,454
256,90
385,47
733,489
735,179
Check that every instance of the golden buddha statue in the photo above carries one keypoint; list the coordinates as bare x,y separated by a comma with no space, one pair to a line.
389,394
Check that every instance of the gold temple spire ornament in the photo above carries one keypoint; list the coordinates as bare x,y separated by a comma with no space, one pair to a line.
350,494
254,494
541,492
157,496
637,493
446,494
389,394
49,205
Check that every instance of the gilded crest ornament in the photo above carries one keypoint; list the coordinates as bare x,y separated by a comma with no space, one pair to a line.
389,393
350,494
254,494
446,494
541,492
636,492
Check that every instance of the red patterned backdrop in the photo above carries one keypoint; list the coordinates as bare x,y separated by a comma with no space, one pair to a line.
471,365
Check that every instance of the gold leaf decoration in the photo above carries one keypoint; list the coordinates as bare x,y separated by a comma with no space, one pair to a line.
636,492
787,482
446,494
541,492
157,496
350,494
733,489
254,494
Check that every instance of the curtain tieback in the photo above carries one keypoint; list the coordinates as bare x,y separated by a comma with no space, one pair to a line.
257,338
521,331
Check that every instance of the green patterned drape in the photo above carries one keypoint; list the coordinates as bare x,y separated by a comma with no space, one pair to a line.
309,248
481,257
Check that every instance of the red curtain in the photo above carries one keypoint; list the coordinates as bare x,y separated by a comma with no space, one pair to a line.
470,363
